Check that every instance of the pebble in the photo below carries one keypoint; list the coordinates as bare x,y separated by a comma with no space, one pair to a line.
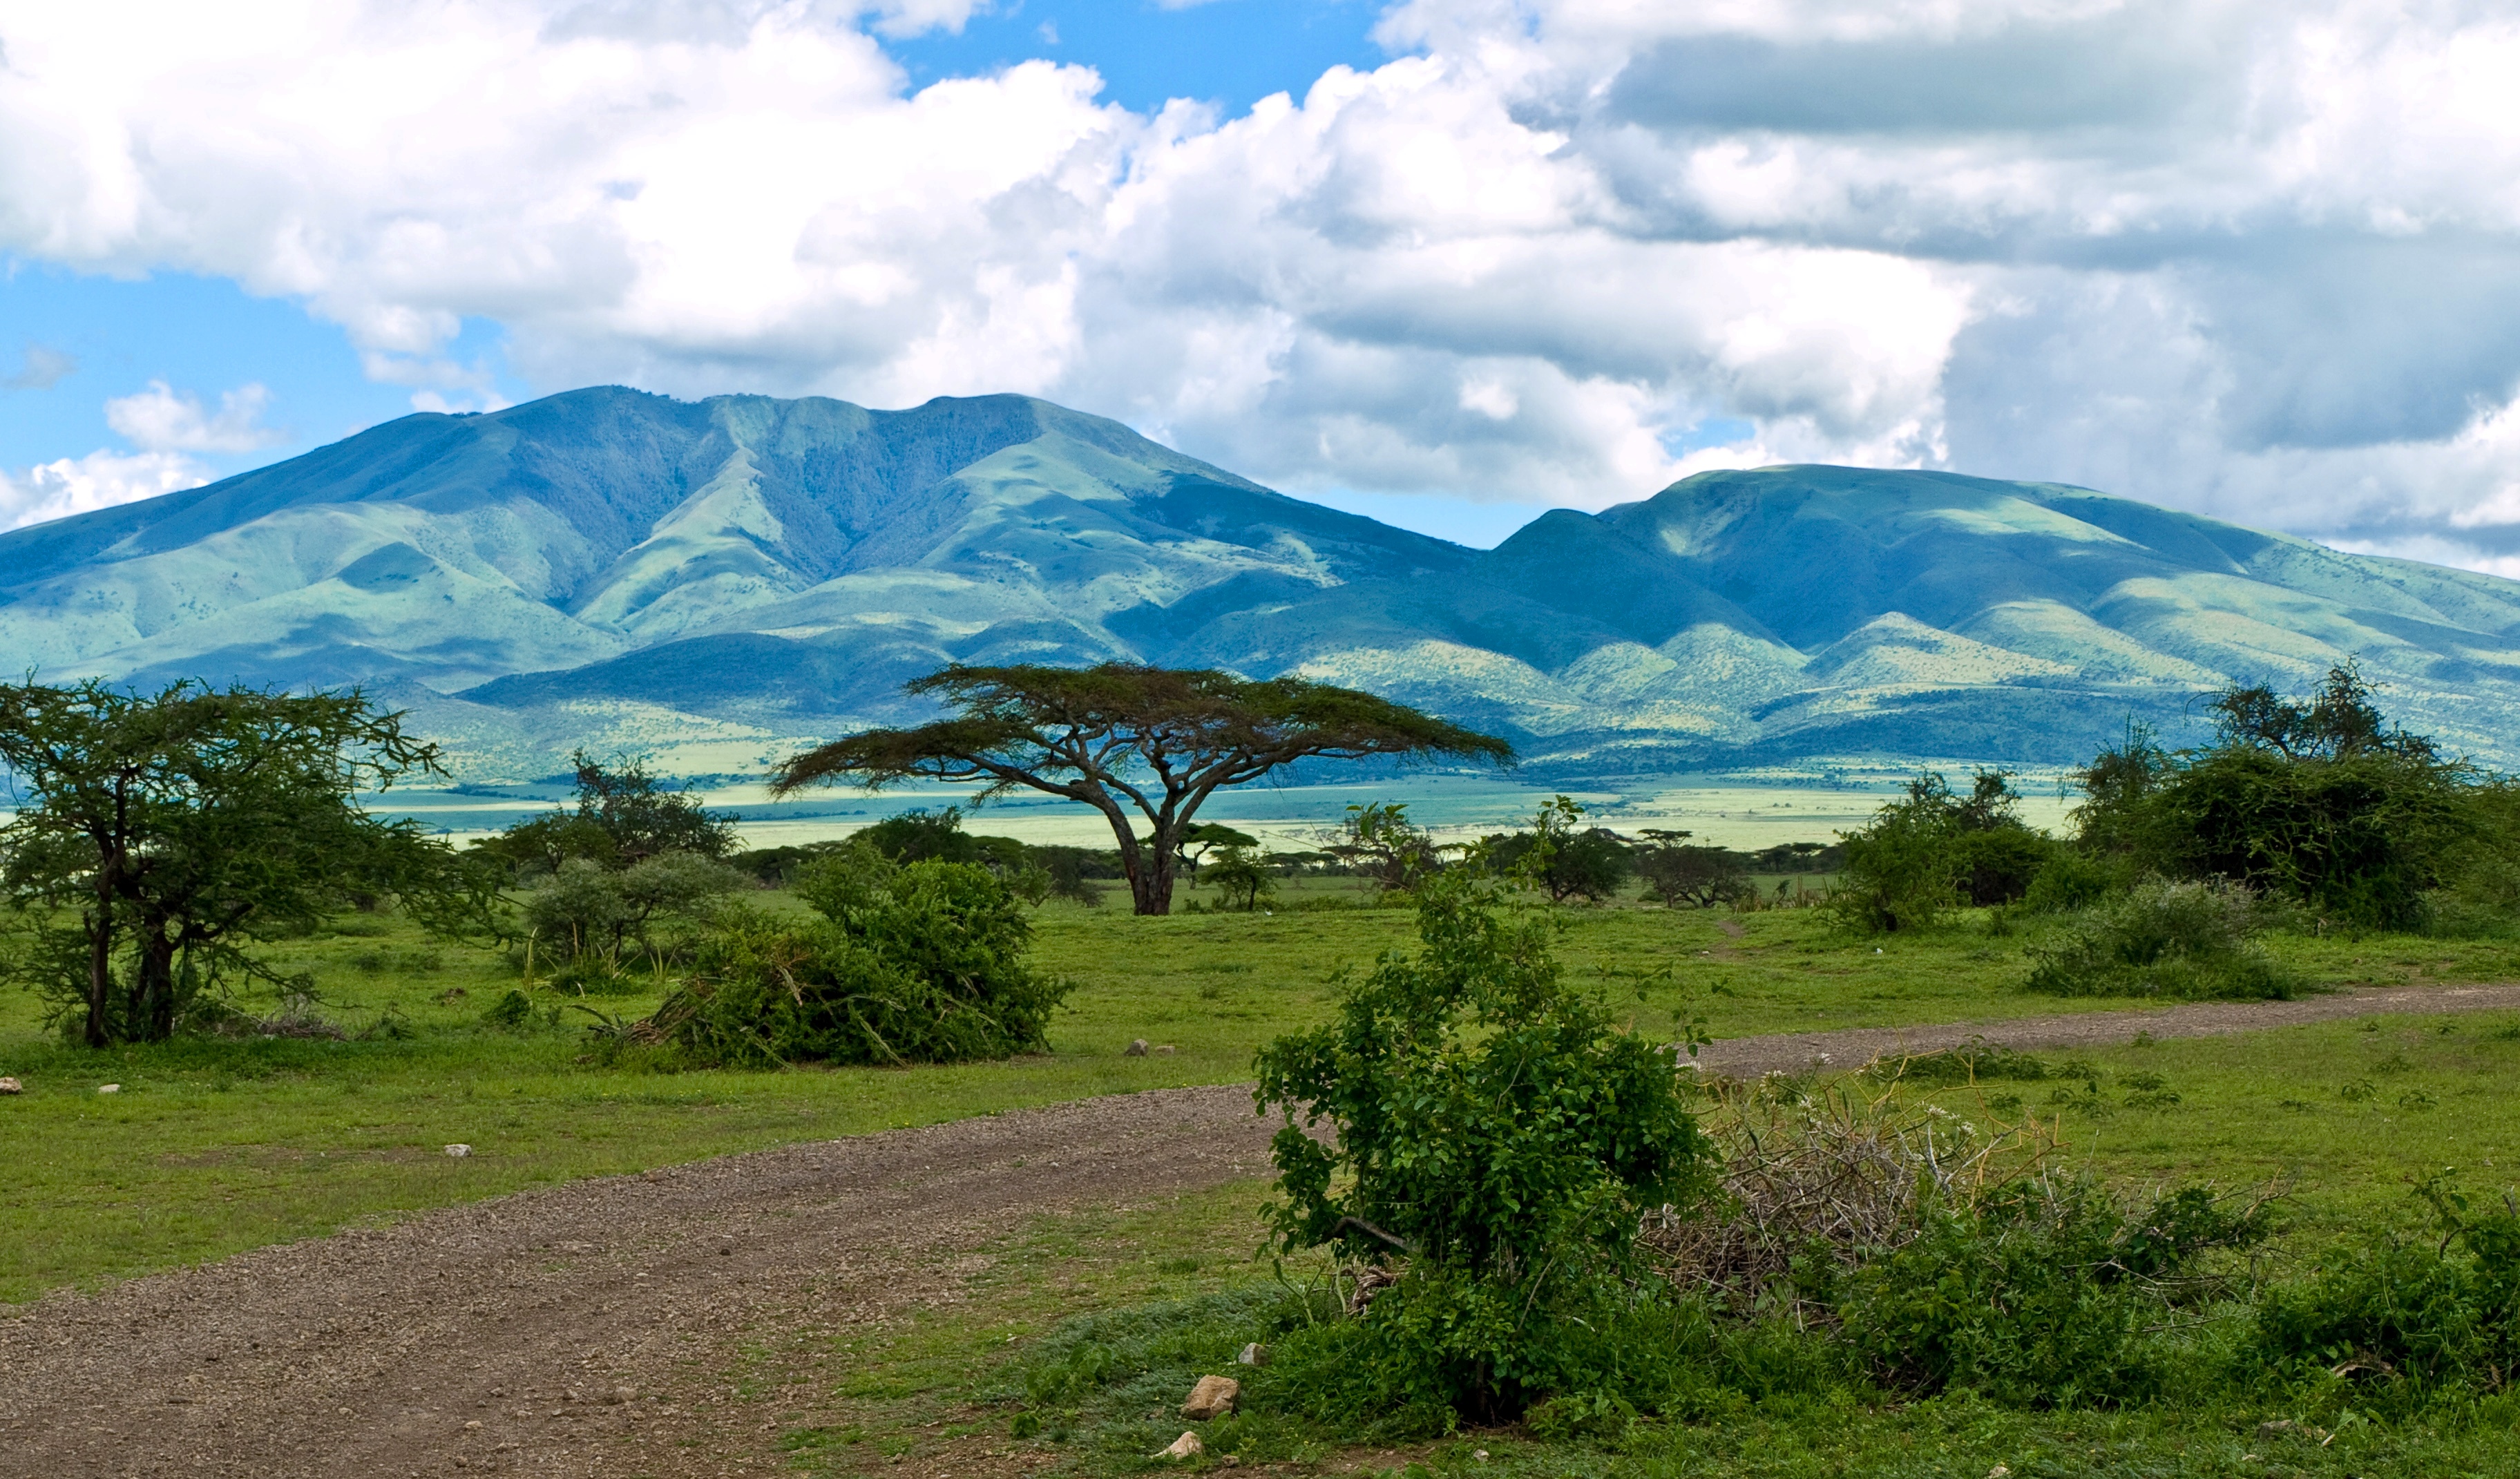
459,1152
109,1087
1254,1353
1186,1446
1137,1047
11,1086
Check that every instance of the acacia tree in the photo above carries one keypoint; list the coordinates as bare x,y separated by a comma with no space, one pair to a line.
163,832
1134,742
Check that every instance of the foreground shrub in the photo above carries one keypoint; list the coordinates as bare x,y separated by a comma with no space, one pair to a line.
920,964
2414,1313
2178,941
1499,1129
2036,1293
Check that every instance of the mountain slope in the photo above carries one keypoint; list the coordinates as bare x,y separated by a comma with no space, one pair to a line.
733,574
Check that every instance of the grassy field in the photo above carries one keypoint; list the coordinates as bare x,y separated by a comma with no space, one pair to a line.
211,1146
2347,1115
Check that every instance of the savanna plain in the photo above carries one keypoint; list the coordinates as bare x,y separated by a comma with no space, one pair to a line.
1069,1345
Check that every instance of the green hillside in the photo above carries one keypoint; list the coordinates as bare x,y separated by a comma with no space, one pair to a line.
714,580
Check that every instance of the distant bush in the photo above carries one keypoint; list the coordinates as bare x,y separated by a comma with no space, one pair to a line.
2076,878
1934,850
917,964
2177,941
1562,857
1678,872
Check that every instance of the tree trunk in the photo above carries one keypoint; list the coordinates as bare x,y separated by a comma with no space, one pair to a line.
154,1019
99,977
1151,888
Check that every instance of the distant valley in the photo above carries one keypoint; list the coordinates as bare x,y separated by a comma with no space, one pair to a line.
711,582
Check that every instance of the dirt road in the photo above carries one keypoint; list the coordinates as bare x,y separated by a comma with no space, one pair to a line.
586,1329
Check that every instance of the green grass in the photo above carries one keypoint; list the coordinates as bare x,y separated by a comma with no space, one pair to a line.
215,1146
943,1386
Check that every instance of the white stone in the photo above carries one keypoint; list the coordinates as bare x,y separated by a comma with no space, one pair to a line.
459,1152
1186,1446
109,1087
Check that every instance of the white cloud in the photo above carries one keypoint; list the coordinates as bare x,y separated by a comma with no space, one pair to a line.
161,419
2251,258
98,481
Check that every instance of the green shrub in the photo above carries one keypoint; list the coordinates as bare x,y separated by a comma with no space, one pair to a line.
2177,941
917,964
2074,878
589,909
1932,851
1499,1129
2037,1294
2413,1312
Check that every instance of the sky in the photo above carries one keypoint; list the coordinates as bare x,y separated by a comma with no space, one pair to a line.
1445,263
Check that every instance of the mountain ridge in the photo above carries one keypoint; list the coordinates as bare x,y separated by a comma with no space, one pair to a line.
737,573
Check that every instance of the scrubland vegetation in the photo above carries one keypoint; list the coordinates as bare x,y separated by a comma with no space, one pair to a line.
1539,1238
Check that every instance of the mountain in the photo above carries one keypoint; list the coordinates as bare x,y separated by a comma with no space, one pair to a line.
712,581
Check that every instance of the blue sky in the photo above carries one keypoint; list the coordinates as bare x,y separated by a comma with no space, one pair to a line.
1513,257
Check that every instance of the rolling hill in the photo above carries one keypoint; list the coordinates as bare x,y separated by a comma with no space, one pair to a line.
711,581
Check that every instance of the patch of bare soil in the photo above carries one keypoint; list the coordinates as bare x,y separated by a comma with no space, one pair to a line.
1793,1052
588,1329
583,1329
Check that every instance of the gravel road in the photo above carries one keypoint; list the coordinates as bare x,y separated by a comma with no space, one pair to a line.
586,1329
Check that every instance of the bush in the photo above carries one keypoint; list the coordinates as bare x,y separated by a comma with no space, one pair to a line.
2177,941
1675,870
1932,851
1501,1130
917,964
2074,878
1559,856
2036,1294
2423,1313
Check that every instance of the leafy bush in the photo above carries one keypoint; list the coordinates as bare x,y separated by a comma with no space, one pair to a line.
2319,800
1501,1130
917,964
2425,1313
1562,857
2036,1293
2076,878
2178,941
1933,850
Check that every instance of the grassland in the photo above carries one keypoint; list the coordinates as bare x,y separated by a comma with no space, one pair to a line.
2345,1114
211,1146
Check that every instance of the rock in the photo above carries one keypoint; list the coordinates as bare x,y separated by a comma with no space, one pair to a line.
621,1394
459,1152
1137,1047
1254,1353
1186,1446
1166,1047
1213,1397
11,1086
109,1087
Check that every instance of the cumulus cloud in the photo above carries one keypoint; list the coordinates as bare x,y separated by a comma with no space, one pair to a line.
161,419
2250,259
98,481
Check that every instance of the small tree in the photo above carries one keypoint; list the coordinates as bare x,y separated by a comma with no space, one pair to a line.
1239,875
623,815
1207,837
1676,871
1379,841
172,830
1133,743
